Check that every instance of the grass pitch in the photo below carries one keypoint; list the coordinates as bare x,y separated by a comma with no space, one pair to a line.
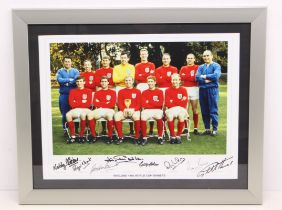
198,145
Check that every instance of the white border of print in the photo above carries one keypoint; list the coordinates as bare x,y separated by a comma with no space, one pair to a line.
256,16
157,167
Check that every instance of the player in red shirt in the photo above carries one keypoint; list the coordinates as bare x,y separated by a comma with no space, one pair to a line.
176,101
104,101
164,72
89,75
142,71
107,71
80,101
188,76
129,104
152,104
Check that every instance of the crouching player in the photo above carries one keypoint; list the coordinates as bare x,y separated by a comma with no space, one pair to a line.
80,102
152,104
129,103
176,100
104,101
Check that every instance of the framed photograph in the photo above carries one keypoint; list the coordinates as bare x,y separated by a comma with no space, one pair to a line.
115,109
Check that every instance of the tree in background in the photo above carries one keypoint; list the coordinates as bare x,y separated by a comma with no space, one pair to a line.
95,51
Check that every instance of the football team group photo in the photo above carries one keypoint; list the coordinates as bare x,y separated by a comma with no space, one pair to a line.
139,98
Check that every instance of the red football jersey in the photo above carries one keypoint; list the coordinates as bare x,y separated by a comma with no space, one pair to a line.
163,75
105,99
152,99
143,70
108,72
89,80
176,97
133,94
188,75
80,98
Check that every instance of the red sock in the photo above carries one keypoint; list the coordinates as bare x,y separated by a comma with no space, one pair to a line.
71,127
144,128
160,125
119,128
195,119
82,127
180,127
110,127
92,125
137,128
171,127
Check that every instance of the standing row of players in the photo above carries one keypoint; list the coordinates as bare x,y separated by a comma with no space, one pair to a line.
206,77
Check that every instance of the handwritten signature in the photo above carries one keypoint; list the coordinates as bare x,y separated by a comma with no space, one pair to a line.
199,164
115,161
215,166
123,159
150,164
102,167
70,162
174,163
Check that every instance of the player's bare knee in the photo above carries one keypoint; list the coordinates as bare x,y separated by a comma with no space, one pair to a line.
169,116
90,116
69,116
136,115
118,116
181,116
158,116
144,117
83,116
109,116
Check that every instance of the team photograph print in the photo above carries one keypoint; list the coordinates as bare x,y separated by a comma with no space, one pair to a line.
150,106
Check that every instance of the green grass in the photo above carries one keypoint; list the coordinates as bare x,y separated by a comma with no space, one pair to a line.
198,145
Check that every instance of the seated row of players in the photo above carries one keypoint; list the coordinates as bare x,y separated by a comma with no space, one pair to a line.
132,104
116,78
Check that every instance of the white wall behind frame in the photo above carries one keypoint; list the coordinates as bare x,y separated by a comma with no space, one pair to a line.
273,113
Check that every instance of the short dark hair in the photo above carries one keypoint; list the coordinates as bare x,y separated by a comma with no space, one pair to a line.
87,60
143,49
125,53
80,77
67,57
166,54
104,77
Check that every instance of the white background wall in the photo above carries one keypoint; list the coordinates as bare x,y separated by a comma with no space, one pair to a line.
273,92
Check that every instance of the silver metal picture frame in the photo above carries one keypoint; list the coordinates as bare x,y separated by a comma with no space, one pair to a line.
28,194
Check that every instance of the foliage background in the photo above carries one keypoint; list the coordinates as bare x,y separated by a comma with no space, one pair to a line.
94,51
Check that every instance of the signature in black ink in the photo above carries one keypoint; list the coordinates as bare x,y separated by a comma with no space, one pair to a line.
115,161
216,166
123,159
150,164
71,162
174,163
83,165
59,165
